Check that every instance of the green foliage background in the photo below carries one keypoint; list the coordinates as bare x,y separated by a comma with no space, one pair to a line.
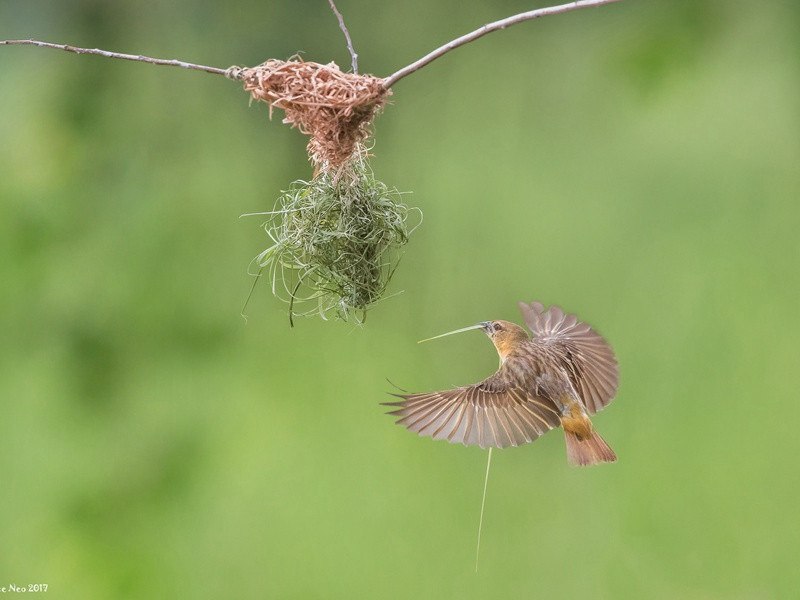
636,164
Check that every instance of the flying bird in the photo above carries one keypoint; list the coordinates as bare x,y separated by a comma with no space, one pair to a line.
560,376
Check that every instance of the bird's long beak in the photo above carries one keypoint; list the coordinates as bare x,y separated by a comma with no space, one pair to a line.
481,325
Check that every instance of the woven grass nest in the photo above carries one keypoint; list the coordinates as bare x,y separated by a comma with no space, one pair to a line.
335,240
333,107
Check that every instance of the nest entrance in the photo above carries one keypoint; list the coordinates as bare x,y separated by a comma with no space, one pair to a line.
333,107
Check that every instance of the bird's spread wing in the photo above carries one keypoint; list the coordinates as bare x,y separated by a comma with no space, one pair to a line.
490,413
587,356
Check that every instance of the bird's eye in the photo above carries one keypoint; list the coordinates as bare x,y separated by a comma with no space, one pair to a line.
496,326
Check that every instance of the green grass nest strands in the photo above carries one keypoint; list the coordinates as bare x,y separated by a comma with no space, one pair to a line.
335,242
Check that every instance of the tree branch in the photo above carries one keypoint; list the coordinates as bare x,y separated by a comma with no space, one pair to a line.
343,27
235,72
474,35
138,58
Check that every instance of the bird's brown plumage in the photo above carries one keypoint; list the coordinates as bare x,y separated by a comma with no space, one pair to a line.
559,376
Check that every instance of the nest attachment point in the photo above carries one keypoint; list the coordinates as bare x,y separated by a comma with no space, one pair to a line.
333,107
335,241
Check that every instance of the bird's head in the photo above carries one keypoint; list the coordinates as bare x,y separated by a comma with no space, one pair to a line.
505,336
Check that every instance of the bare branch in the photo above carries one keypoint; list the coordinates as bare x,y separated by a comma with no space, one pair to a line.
231,73
501,24
388,82
343,27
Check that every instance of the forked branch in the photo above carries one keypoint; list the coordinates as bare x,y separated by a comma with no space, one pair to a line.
234,72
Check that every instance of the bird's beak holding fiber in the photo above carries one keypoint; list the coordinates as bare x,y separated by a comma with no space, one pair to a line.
486,326
482,325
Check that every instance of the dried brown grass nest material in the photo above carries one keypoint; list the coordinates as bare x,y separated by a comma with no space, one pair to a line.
333,107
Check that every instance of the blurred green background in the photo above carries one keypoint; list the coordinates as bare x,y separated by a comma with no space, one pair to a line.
638,164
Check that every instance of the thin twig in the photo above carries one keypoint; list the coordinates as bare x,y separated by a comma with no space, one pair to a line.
343,27
153,61
501,24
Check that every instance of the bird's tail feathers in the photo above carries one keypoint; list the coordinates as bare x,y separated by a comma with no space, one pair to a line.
587,451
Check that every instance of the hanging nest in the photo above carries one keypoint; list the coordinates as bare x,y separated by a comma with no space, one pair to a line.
334,241
333,107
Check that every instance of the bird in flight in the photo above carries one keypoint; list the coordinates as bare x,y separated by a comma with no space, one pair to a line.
560,376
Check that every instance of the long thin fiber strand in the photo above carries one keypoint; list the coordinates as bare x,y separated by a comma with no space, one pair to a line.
483,503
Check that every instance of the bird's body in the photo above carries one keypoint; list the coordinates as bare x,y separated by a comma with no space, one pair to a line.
559,377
